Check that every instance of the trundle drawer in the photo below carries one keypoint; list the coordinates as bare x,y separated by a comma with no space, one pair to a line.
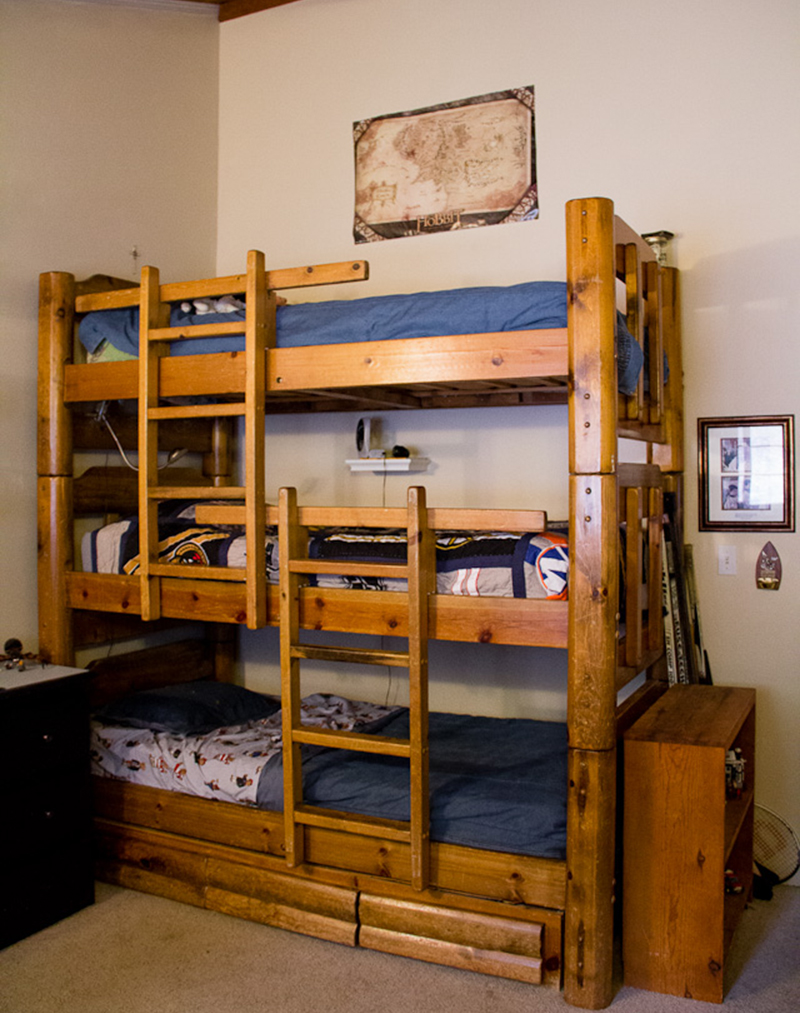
509,941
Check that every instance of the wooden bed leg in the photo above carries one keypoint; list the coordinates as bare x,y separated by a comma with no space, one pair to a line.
589,920
54,466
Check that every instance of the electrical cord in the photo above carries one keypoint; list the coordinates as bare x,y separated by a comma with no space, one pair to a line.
101,415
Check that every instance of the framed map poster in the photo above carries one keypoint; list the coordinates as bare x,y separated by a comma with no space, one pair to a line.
453,166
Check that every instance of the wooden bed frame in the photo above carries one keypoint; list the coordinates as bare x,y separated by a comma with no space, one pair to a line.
538,920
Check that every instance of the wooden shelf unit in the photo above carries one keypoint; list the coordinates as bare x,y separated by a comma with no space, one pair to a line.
681,833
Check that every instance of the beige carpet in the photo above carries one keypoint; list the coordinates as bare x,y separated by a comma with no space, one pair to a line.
131,953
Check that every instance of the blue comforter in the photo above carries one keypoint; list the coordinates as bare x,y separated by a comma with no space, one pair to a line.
478,310
495,783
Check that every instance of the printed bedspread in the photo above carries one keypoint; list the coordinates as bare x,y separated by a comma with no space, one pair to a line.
495,783
490,564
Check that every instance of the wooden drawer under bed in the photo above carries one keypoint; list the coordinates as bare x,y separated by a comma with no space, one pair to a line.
230,859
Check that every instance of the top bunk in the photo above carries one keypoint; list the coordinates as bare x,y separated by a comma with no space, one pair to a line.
610,325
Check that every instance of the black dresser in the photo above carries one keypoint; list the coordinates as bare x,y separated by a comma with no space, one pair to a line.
46,869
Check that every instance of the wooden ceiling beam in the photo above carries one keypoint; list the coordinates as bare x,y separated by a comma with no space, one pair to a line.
229,9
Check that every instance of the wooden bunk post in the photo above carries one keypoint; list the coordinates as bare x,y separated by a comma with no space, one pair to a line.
591,259
54,466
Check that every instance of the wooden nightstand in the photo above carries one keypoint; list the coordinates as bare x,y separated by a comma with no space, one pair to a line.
46,868
681,833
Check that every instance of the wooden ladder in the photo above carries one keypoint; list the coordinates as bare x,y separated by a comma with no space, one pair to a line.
155,336
419,571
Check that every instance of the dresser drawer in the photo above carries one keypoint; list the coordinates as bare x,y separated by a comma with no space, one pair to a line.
45,729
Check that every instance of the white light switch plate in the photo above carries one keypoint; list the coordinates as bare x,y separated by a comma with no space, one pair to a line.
727,559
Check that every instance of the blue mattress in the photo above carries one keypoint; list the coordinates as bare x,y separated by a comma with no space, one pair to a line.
477,310
495,783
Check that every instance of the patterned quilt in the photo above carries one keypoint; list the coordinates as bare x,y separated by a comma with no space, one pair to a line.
496,564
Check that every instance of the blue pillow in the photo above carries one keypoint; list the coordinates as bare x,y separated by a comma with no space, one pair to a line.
192,708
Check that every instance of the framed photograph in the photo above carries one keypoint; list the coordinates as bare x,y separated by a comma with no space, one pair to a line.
746,473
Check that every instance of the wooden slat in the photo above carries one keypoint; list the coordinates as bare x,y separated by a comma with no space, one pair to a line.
373,826
284,278
163,492
532,622
196,411
292,542
178,571
333,566
421,583
381,745
633,577
655,339
260,335
233,328
151,313
350,655
505,355
655,626
440,519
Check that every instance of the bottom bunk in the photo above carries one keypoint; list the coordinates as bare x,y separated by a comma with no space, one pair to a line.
498,790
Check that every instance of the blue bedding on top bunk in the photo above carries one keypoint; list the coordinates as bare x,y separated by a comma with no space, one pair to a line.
477,310
495,783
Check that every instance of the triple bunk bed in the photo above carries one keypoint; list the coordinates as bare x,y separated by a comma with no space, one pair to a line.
539,913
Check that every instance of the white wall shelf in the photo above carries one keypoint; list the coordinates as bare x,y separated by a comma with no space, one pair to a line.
389,464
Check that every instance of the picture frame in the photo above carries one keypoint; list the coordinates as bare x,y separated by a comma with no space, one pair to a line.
746,473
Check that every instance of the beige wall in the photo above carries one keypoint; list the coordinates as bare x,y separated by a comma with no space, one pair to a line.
684,114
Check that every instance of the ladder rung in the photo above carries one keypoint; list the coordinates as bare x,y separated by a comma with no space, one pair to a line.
354,655
197,572
381,745
196,411
336,566
195,492
332,819
196,331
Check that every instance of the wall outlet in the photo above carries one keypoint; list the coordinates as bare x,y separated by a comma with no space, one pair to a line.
727,559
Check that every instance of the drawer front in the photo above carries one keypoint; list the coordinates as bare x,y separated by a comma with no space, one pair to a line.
47,819
46,726
523,944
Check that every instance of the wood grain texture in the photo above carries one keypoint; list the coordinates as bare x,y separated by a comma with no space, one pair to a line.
680,835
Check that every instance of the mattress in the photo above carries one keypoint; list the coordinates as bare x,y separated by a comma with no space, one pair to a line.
478,310
496,564
495,783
